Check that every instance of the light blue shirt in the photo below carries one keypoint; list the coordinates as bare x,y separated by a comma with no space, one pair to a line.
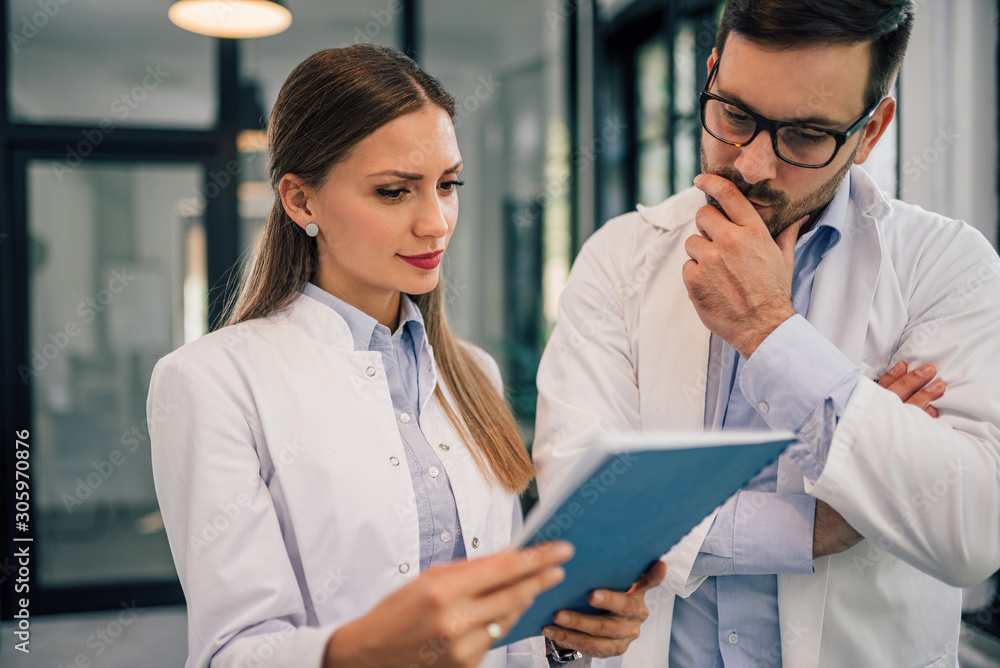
795,380
440,531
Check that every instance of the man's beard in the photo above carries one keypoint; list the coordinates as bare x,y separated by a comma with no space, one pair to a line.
783,212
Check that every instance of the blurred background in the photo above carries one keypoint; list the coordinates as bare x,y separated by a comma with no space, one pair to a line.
133,183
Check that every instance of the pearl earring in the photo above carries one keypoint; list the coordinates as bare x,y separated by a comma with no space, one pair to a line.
312,229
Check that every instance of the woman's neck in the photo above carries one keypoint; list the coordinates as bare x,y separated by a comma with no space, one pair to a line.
379,304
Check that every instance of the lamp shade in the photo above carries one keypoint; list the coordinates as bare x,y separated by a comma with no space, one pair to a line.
231,18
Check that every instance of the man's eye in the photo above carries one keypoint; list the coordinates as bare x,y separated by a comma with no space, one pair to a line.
809,136
735,115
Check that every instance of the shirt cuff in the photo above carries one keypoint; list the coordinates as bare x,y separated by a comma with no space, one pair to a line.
793,371
716,554
773,533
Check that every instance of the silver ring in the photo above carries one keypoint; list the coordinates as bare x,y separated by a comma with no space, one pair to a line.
494,631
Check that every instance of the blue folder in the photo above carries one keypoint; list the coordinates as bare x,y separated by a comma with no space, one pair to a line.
627,500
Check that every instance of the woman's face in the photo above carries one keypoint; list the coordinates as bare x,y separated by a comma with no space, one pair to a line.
385,213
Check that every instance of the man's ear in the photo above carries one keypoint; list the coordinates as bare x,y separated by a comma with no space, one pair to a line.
876,127
714,56
295,194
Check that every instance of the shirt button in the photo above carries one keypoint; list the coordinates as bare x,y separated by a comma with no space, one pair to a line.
404,568
733,638
444,447
370,371
445,536
433,471
404,418
763,407
393,461
475,543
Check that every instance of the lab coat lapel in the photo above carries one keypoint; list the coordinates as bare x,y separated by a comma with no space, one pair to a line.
841,310
674,380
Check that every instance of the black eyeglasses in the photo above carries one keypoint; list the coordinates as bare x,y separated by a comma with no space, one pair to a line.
795,143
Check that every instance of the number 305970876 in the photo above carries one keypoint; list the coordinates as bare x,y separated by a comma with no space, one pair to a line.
22,497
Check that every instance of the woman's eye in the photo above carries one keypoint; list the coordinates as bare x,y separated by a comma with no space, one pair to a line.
391,193
452,185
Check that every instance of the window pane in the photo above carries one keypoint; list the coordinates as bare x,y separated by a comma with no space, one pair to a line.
685,93
116,61
654,182
267,62
654,91
118,279
509,257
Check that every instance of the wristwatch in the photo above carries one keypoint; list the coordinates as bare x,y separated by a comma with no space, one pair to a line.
558,656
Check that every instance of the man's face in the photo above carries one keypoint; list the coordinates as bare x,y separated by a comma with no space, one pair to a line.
820,85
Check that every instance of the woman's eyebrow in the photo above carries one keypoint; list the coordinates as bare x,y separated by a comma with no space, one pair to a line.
407,176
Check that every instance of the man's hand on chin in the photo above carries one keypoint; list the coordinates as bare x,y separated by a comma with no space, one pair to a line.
739,278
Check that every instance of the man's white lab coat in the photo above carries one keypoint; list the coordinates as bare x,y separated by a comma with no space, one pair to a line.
285,490
630,353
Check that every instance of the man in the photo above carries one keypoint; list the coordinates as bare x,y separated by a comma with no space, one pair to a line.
769,296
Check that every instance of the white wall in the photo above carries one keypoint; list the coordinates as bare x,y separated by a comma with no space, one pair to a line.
948,107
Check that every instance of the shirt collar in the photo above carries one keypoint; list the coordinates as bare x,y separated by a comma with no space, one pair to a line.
833,218
361,324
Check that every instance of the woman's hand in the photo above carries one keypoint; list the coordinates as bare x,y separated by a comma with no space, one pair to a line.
608,634
442,616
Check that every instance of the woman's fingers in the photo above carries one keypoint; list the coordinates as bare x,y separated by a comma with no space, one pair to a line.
510,602
506,568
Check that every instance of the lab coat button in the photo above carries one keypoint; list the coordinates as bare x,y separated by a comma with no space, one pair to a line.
370,371
445,536
433,471
393,461
733,638
475,543
404,418
763,407
444,447
404,568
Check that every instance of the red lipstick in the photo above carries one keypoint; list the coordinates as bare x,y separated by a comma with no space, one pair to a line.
426,261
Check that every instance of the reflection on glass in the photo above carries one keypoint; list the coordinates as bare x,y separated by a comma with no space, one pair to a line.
117,280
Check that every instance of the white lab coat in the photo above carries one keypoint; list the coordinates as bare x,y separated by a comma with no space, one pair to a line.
630,353
285,490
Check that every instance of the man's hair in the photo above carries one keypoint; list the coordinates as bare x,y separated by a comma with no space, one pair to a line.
782,24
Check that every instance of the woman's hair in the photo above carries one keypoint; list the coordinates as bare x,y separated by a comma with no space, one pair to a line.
331,101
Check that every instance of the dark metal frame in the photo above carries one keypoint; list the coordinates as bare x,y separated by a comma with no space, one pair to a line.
214,149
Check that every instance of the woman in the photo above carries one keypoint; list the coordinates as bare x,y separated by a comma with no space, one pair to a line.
334,447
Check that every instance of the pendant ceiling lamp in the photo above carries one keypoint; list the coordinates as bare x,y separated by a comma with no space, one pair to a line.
236,19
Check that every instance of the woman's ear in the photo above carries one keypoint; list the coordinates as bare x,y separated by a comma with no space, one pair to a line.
295,193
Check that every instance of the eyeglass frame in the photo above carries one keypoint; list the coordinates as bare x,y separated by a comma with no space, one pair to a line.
772,127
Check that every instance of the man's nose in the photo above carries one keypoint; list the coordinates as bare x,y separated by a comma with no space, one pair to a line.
757,161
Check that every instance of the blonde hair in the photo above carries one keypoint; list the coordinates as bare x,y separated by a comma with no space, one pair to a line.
329,102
